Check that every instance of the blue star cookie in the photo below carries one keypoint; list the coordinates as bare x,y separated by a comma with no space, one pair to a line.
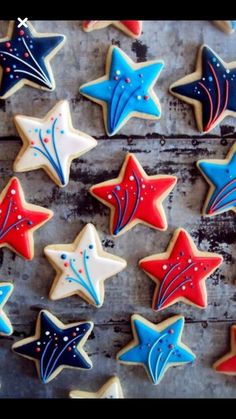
126,90
211,89
5,325
221,176
56,346
25,59
156,347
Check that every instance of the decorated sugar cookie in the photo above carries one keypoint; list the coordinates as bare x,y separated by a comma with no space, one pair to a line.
82,267
221,176
110,390
210,89
55,346
131,28
134,197
180,272
156,346
227,364
6,289
51,143
227,26
19,220
126,90
25,59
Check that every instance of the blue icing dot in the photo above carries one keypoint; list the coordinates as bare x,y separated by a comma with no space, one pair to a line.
117,188
30,223
19,39
48,131
91,246
11,76
14,66
36,130
87,257
35,154
62,131
63,256
214,59
31,47
210,78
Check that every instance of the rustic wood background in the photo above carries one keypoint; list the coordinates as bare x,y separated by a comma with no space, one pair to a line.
172,146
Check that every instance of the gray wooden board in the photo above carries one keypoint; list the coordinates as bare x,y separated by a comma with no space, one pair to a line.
169,146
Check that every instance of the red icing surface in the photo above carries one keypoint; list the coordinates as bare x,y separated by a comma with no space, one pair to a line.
16,221
134,26
135,197
228,364
180,274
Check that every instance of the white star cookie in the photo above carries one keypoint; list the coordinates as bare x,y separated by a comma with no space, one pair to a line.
82,267
51,143
110,390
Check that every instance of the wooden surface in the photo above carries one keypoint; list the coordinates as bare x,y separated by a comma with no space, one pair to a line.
169,146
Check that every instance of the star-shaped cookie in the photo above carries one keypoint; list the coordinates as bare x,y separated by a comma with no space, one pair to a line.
82,267
19,220
51,143
110,390
131,28
180,272
134,197
156,346
221,176
227,364
25,59
210,89
227,26
6,289
55,346
126,90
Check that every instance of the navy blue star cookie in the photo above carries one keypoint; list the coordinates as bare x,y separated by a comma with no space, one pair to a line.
156,347
211,89
25,59
126,90
55,346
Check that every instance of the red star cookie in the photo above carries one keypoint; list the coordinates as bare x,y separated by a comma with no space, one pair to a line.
18,220
134,197
132,28
227,364
180,272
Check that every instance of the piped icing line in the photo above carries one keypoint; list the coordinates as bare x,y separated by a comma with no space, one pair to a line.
134,197
51,143
82,267
126,90
180,272
19,219
6,289
110,390
25,59
227,363
131,28
55,346
221,177
209,89
156,346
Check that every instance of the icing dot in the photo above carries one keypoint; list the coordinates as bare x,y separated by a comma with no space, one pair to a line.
69,348
21,32
183,287
32,142
131,178
48,131
127,80
19,217
74,356
46,140
7,69
13,192
164,267
66,264
65,338
38,350
63,256
81,252
195,269
210,78
227,71
109,196
143,186
116,78
189,260
171,331
170,346
8,44
0,211
36,130
77,329
118,72
74,334
1,292
141,199
80,271
217,65
26,54
56,338
62,131
47,333
214,59
91,246
87,257
30,223
117,188
38,343
141,75
139,97
146,97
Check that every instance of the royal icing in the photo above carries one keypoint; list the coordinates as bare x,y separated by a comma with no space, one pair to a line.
110,390
24,58
5,324
221,176
82,267
134,197
51,143
56,346
132,28
156,347
180,273
227,364
126,90
211,87
18,220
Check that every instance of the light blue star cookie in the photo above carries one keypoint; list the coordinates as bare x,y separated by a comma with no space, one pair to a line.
126,90
5,325
156,347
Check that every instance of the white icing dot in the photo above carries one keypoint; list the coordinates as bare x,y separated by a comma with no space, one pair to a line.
141,199
38,343
189,260
143,186
109,196
227,71
217,65
191,284
13,192
118,72
195,269
19,217
77,329
0,211
139,97
203,78
65,338
17,228
74,356
47,333
131,178
183,287
164,267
